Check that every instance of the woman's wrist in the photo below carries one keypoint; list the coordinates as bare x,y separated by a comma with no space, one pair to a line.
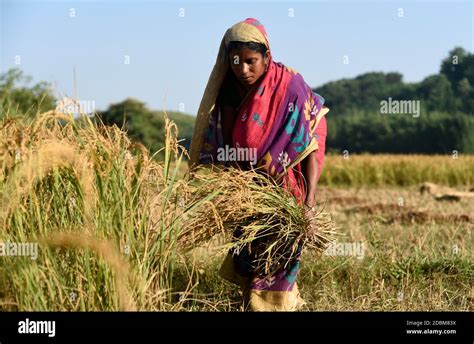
308,207
309,202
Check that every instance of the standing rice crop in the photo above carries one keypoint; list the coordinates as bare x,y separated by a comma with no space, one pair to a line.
102,210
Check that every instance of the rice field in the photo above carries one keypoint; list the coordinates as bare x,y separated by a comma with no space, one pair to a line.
456,169
112,224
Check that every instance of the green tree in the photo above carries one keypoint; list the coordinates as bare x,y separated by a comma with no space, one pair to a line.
137,120
437,93
145,125
454,65
16,98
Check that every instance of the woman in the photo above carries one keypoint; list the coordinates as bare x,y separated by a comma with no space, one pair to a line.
254,103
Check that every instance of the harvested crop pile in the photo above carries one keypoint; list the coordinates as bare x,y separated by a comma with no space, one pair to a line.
256,215
443,193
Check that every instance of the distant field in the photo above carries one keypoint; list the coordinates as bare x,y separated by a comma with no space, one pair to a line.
401,170
394,170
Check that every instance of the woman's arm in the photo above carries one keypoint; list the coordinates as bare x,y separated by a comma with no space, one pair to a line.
309,167
227,122
313,163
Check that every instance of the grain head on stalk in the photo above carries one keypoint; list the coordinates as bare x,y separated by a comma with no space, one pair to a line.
51,155
106,251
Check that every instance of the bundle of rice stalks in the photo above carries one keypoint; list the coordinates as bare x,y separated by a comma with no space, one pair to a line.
257,216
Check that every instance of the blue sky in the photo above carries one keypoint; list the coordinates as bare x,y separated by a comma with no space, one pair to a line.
171,56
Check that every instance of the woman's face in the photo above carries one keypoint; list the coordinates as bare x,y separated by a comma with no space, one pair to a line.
248,65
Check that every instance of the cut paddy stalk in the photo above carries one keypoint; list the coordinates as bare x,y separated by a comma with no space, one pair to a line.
254,214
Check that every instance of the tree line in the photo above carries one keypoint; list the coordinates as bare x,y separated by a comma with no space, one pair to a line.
374,112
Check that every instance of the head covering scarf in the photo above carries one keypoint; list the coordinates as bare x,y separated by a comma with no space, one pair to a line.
277,118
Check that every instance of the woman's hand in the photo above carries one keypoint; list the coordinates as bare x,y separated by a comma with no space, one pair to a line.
310,215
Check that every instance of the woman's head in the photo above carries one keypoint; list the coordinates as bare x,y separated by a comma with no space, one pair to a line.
248,61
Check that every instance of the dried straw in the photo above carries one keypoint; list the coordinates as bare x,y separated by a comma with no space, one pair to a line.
255,214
